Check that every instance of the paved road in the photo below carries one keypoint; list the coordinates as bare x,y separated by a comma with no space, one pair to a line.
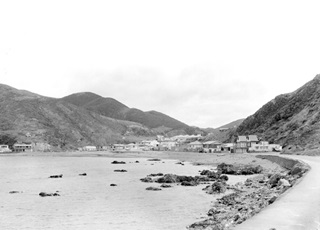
297,209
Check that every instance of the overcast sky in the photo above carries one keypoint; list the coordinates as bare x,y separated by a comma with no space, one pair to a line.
205,63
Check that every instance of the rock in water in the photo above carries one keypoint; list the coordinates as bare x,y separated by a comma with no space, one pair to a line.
118,162
44,194
56,176
153,189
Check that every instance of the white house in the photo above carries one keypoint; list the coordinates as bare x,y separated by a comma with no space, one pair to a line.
118,147
89,148
167,145
264,146
132,147
21,147
196,145
152,143
212,146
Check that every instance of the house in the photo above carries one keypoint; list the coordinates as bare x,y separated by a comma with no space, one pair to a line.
241,144
195,146
212,146
252,140
228,147
5,149
167,145
152,144
22,147
89,148
132,147
117,147
264,146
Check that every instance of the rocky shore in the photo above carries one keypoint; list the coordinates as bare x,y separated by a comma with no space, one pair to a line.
242,200
245,200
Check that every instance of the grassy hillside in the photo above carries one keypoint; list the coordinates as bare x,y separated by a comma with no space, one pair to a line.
292,119
30,117
112,108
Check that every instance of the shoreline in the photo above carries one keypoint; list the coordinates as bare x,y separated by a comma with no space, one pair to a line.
271,167
211,159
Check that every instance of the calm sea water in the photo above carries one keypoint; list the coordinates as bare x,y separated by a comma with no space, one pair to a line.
89,202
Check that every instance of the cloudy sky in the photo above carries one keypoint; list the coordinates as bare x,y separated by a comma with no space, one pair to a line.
205,63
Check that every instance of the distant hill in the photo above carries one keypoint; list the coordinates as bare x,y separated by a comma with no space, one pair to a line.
112,108
77,120
223,135
292,119
233,124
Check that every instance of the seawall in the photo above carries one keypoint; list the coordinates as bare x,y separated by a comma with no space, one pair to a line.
284,162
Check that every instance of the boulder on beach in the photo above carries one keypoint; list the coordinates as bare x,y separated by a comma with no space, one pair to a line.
210,174
216,187
224,178
189,183
153,189
155,174
167,178
274,179
118,162
172,178
56,176
165,186
147,179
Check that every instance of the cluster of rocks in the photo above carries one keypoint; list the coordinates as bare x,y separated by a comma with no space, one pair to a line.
239,169
173,178
246,199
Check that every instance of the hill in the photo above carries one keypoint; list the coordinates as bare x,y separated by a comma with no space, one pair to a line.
233,124
88,120
224,133
112,108
292,119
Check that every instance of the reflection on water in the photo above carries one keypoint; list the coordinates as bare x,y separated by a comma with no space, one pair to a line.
89,202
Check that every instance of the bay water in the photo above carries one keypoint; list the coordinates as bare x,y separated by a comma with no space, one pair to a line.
89,202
